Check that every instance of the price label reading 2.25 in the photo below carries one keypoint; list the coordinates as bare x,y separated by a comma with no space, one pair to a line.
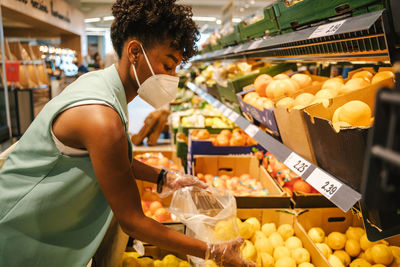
297,164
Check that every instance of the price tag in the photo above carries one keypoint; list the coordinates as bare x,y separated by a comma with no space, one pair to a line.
255,44
297,164
327,29
324,183
252,130
233,116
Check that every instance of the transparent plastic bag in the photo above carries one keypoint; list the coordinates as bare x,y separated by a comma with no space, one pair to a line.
208,214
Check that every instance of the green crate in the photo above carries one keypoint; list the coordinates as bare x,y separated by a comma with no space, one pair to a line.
228,93
232,38
267,26
309,11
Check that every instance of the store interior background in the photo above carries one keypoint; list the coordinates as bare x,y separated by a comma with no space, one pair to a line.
96,38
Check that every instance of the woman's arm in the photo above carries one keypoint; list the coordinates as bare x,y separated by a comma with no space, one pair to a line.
99,129
144,172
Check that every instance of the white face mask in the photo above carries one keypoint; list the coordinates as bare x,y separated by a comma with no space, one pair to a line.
158,89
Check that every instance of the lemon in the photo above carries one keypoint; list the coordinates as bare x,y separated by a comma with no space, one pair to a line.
352,247
306,264
255,222
286,231
281,252
293,242
365,243
316,234
246,230
360,263
248,251
257,235
265,260
268,229
335,261
343,257
158,263
325,249
263,244
285,262
355,233
382,254
276,240
301,255
368,256
336,240
131,262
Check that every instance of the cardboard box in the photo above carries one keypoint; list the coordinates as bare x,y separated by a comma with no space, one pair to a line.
238,165
279,216
340,153
303,200
333,220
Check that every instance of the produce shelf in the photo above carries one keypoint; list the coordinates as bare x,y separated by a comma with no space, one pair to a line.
341,194
362,38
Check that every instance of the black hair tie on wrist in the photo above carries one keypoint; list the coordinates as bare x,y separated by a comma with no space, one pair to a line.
160,180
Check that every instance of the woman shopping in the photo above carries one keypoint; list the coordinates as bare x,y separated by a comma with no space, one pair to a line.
73,168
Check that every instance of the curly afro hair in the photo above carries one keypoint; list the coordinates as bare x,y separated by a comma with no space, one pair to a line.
154,21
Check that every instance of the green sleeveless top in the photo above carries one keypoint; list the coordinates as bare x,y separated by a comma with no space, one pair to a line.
52,210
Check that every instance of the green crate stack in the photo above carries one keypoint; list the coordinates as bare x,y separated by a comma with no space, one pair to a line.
267,26
228,93
309,11
232,38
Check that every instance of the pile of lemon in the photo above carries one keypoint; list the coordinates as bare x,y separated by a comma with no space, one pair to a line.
133,259
354,249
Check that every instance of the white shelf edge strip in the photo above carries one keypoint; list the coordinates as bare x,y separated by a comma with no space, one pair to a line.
342,195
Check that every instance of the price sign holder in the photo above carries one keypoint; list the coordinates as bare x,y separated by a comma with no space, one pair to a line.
342,195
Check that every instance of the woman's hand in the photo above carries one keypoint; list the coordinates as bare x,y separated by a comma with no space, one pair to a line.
176,180
228,254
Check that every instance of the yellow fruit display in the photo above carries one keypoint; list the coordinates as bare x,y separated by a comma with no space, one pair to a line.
336,240
293,242
365,243
147,262
246,230
354,233
352,247
395,251
364,74
281,76
250,98
268,229
301,255
276,240
158,263
306,264
316,234
304,99
326,93
360,263
333,84
325,249
184,264
225,230
355,113
382,75
248,251
354,84
255,222
257,235
263,244
286,231
261,83
303,80
286,102
335,261
170,260
131,262
281,88
368,255
265,260
378,265
285,262
210,263
382,254
343,257
281,252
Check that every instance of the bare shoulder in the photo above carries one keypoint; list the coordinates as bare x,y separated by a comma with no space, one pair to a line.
83,125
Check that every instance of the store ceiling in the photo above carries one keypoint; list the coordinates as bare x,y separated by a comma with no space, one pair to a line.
201,8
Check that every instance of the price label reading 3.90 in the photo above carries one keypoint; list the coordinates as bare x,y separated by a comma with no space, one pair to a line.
297,164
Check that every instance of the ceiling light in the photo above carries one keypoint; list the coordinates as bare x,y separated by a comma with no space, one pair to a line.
218,21
108,18
204,18
92,20
252,2
241,9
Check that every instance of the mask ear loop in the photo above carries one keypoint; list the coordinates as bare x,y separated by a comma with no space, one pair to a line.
147,60
134,71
